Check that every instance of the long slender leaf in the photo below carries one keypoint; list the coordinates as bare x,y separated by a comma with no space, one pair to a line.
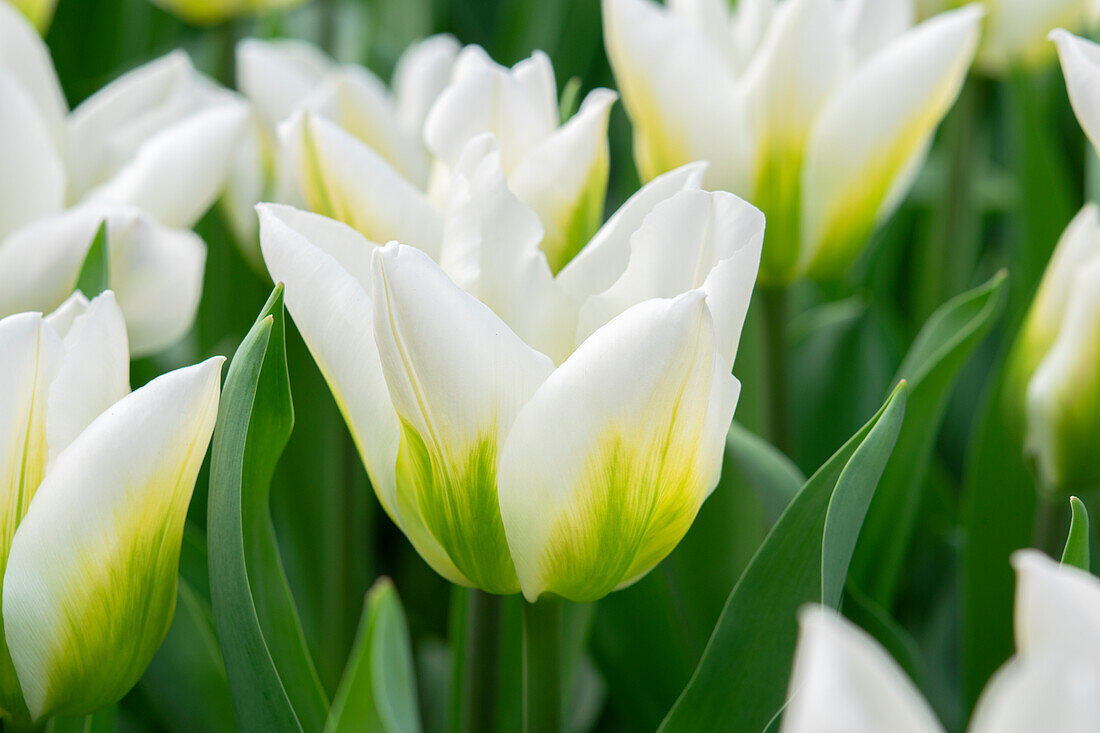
942,347
741,680
275,686
378,690
95,273
1077,544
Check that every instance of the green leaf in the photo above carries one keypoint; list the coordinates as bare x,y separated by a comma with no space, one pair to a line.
274,684
103,721
95,273
1077,543
773,476
741,681
570,98
378,690
933,363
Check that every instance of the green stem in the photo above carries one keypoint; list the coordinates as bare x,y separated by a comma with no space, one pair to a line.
481,661
773,302
542,688
228,34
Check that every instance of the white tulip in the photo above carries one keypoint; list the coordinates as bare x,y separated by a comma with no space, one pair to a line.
530,430
820,112
97,484
38,12
148,154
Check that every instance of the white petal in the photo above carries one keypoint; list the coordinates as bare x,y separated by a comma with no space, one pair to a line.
276,75
713,20
1051,692
360,103
155,272
1081,66
608,463
681,97
32,177
25,56
604,258
339,176
457,376
486,97
1015,34
248,183
871,24
325,267
1057,608
857,163
93,374
92,569
491,249
844,682
61,320
178,173
694,239
564,179
420,75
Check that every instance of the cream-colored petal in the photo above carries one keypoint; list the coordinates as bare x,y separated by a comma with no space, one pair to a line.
32,177
602,261
1081,66
276,75
844,682
695,239
607,464
179,172
564,179
420,75
457,376
338,176
93,374
1015,34
61,320
871,24
1057,608
1047,693
683,101
90,585
25,56
855,160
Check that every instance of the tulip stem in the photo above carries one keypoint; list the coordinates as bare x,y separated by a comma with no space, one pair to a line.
773,302
1049,534
481,661
542,689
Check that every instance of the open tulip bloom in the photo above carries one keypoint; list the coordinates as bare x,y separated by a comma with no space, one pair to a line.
147,154
820,112
97,481
529,430
844,681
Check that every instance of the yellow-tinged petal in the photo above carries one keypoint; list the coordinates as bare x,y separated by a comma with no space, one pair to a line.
844,681
335,174
1016,31
208,12
457,376
90,585
607,464
858,165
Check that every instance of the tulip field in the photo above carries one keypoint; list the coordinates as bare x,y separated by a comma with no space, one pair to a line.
556,366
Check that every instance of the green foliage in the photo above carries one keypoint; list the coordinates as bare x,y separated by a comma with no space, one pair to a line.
1076,552
95,273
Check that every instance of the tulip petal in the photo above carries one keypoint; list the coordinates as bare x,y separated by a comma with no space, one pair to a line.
90,585
491,249
338,176
679,92
518,105
325,267
608,463
1057,608
25,56
179,172
1081,66
93,374
1015,34
421,74
605,257
871,24
156,272
432,336
695,239
32,177
844,681
276,75
29,355
859,165
564,179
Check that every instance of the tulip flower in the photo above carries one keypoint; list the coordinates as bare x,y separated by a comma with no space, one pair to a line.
819,112
279,77
207,12
1080,59
844,681
147,154
344,156
1015,31
38,12
97,484
530,430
